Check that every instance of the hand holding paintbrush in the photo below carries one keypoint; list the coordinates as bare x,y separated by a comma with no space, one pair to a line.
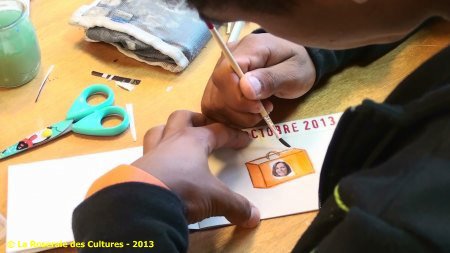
239,72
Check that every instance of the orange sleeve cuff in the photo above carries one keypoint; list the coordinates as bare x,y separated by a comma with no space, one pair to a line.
124,174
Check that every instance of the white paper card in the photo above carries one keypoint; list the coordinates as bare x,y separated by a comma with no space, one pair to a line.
43,195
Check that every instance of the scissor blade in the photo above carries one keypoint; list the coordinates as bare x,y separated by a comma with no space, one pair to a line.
40,137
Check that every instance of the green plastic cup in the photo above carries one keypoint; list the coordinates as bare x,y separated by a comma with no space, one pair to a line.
19,49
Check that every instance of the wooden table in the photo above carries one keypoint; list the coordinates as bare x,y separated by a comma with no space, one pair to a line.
162,92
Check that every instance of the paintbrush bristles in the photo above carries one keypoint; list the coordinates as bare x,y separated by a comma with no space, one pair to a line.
269,122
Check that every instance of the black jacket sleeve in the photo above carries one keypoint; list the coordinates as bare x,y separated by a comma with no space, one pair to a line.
131,217
328,62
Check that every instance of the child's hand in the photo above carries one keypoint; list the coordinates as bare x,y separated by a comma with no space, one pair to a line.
272,66
177,154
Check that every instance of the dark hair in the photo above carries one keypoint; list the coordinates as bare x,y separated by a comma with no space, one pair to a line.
274,168
265,6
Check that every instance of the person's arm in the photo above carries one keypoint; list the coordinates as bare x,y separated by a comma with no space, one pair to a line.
327,62
273,67
146,207
138,217
129,209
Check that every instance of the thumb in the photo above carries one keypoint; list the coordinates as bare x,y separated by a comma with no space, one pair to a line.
264,82
260,83
238,210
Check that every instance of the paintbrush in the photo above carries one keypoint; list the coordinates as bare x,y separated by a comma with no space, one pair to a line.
215,34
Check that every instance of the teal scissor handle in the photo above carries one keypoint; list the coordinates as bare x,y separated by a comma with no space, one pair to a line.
92,124
81,108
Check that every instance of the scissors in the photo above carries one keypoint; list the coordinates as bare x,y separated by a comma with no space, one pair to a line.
82,118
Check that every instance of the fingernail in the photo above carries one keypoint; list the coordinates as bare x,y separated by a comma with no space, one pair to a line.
269,108
254,219
255,84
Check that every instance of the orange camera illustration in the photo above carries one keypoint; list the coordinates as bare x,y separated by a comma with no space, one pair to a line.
278,167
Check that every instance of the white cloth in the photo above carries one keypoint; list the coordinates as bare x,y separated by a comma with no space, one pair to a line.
162,33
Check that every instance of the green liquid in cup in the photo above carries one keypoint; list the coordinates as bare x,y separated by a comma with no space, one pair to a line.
19,50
